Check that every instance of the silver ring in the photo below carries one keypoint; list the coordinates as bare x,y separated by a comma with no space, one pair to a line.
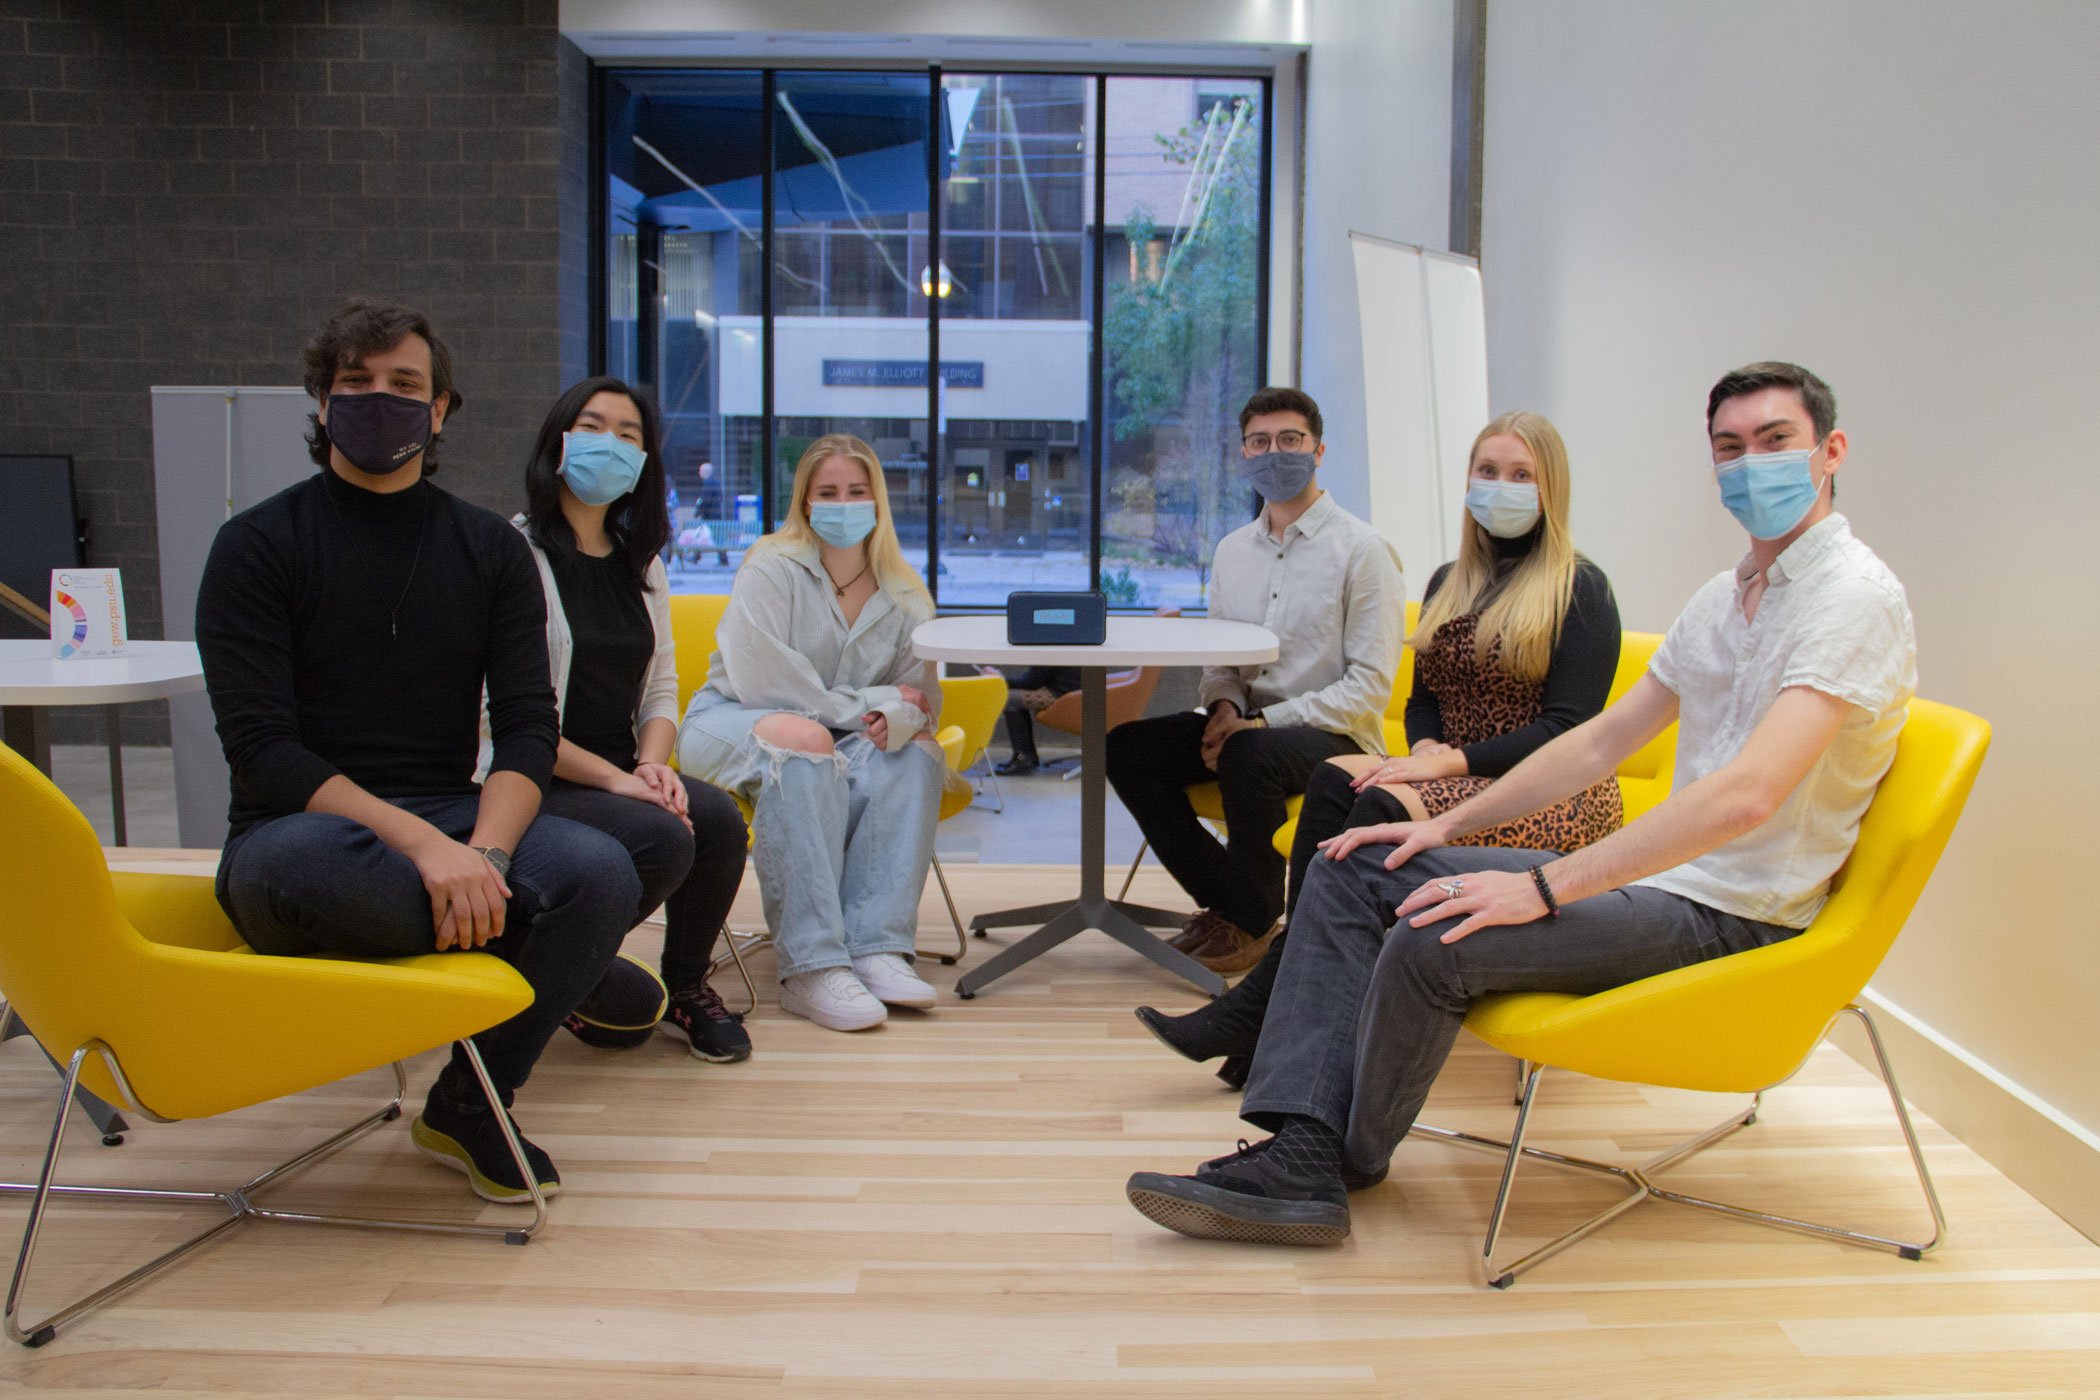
1452,888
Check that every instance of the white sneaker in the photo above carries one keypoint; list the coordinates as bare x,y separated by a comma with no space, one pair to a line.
890,978
832,997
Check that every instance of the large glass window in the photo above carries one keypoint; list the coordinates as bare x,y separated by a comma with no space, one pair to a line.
1096,296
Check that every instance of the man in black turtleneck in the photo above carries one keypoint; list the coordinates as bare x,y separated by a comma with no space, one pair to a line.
348,628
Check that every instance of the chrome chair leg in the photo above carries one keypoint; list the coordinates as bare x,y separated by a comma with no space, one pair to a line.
1135,862
729,937
1641,1179
238,1201
991,776
1523,1076
962,939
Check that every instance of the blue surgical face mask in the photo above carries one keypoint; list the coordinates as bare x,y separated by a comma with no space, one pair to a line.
1507,510
599,467
842,524
1769,493
1279,476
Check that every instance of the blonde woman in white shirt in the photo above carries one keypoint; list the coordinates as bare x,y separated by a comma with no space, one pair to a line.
816,712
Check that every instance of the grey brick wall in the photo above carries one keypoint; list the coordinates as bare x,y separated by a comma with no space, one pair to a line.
187,187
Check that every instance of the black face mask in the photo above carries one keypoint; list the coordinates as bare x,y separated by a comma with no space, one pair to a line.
377,433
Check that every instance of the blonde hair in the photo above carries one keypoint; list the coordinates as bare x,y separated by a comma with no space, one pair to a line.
884,553
1527,612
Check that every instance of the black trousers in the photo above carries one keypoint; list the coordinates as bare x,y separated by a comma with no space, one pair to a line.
693,874
1152,763
1020,721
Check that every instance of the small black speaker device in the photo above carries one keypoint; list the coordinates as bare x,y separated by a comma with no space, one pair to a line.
1056,619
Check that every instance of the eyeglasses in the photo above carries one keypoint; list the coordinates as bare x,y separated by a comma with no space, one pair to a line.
1289,440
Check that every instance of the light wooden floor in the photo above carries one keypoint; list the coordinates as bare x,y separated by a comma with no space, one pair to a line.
936,1209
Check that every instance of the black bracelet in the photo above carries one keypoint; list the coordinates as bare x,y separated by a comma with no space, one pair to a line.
1538,877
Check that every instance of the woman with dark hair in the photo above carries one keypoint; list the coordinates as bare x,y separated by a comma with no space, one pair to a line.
596,520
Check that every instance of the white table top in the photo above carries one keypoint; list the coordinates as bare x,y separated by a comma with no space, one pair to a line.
1132,641
31,675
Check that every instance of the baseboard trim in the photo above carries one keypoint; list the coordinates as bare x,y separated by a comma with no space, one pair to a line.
2042,1149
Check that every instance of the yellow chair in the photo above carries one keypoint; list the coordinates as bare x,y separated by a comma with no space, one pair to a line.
1746,1023
973,704
119,974
695,618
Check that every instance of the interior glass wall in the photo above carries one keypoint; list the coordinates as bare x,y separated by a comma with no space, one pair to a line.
1097,296
684,220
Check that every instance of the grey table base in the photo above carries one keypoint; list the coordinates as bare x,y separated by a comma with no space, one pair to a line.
1128,924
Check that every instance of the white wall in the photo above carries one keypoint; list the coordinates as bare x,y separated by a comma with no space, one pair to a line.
1899,194
1378,160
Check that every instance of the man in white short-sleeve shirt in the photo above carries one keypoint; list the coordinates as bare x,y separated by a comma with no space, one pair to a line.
1789,677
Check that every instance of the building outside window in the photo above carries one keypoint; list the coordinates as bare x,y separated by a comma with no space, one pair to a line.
770,244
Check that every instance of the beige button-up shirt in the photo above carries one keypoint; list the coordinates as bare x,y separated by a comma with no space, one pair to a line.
1832,618
1331,591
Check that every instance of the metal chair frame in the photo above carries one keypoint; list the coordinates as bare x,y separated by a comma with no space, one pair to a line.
1641,1178
239,1201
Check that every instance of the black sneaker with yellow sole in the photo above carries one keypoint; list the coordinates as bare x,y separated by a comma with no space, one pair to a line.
472,1144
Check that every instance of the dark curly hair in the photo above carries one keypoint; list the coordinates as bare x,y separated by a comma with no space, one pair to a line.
1280,399
368,326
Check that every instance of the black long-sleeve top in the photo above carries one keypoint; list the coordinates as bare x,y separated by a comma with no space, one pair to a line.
313,669
1578,676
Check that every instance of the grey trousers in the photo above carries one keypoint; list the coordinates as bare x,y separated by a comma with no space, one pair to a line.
1366,1009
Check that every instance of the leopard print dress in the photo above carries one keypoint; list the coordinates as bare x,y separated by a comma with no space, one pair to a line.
1480,700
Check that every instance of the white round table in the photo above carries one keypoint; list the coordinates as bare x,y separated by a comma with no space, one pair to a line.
32,680
1132,641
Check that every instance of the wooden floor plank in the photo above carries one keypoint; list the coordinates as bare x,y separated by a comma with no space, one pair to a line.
935,1210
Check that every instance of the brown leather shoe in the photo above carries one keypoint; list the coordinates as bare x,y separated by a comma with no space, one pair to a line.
1238,950
1200,931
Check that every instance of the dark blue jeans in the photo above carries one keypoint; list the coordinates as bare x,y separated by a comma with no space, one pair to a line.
315,883
1366,1009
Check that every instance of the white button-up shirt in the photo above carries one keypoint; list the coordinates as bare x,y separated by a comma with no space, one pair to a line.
1832,618
1331,591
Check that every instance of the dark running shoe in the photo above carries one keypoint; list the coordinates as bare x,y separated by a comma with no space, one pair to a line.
472,1144
1351,1180
715,1033
1245,1197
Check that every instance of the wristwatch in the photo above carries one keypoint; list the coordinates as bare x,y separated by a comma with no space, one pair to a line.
497,857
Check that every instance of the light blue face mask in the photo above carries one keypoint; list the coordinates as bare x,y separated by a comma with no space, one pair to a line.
842,524
600,468
1505,509
1769,493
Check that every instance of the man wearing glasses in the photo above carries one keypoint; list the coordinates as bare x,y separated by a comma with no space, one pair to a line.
1329,587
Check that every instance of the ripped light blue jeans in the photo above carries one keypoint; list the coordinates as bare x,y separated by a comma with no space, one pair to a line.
842,840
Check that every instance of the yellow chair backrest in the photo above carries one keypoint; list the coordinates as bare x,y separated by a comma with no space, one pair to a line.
1404,674
1646,775
972,704
149,965
1743,1023
694,618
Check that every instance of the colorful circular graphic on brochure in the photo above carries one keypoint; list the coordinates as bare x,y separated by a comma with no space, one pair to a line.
72,605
